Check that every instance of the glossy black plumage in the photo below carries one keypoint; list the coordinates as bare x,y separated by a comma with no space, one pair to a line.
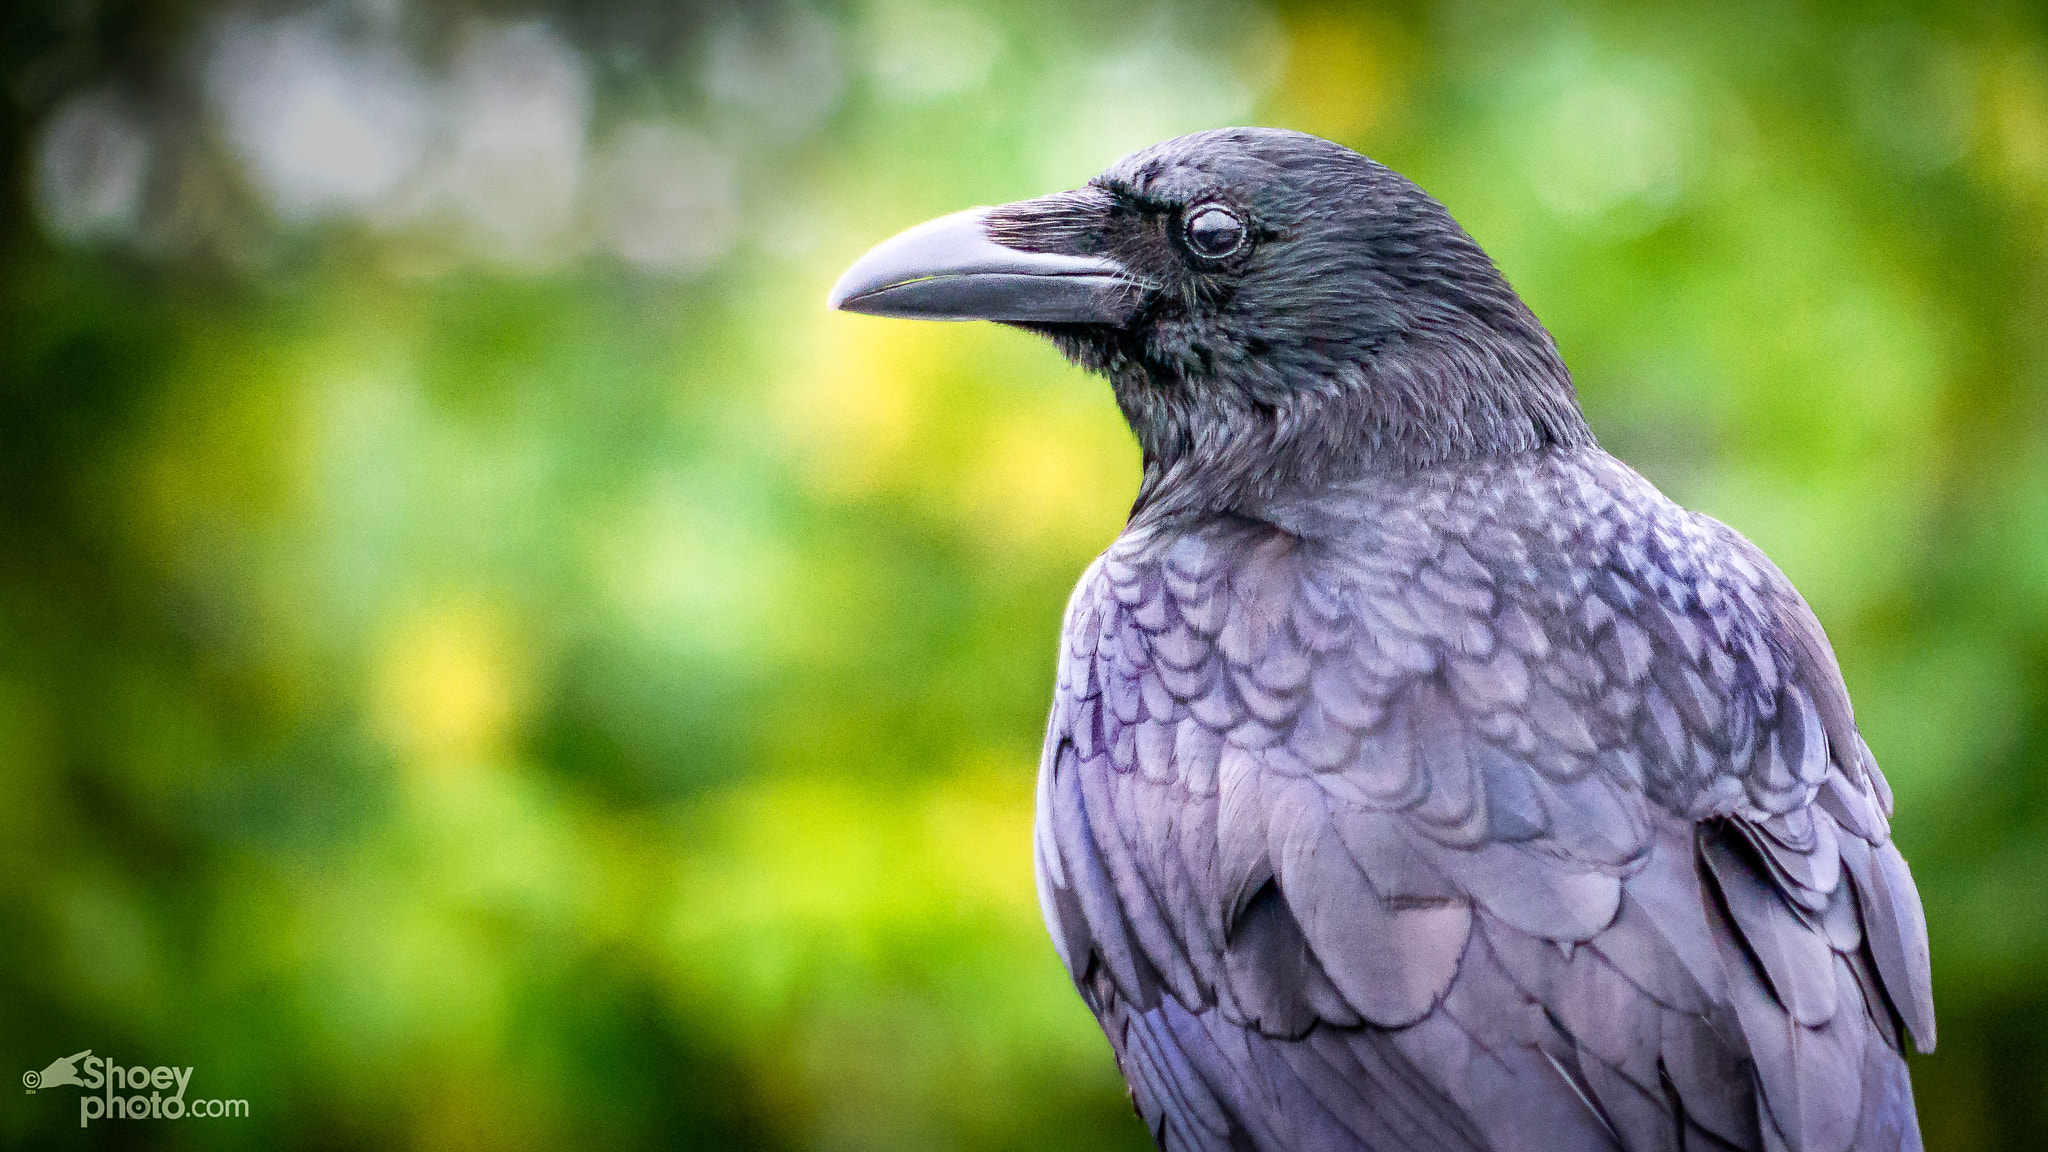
1418,776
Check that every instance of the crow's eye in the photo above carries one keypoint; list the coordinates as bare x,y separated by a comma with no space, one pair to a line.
1214,231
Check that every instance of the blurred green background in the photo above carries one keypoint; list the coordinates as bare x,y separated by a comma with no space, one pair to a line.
488,661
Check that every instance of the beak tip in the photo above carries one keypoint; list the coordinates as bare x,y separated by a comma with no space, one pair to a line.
835,300
860,303
897,259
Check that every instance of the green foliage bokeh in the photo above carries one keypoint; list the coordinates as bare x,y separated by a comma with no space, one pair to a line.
454,698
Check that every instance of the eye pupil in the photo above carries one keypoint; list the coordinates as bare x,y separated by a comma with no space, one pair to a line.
1214,231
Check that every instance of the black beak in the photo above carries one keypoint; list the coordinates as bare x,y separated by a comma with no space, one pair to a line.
950,269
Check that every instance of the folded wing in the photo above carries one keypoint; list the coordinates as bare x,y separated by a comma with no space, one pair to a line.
1557,821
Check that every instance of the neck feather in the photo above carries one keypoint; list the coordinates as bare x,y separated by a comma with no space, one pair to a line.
1405,408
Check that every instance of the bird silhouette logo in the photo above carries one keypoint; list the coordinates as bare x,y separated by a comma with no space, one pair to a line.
61,1071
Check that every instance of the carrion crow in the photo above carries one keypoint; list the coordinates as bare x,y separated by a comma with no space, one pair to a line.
1419,776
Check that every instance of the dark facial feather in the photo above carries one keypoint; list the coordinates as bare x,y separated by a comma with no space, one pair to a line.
1360,330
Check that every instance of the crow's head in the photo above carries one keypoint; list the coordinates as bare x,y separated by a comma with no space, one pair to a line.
1272,309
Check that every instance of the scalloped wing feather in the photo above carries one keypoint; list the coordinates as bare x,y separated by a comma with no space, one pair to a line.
1560,794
